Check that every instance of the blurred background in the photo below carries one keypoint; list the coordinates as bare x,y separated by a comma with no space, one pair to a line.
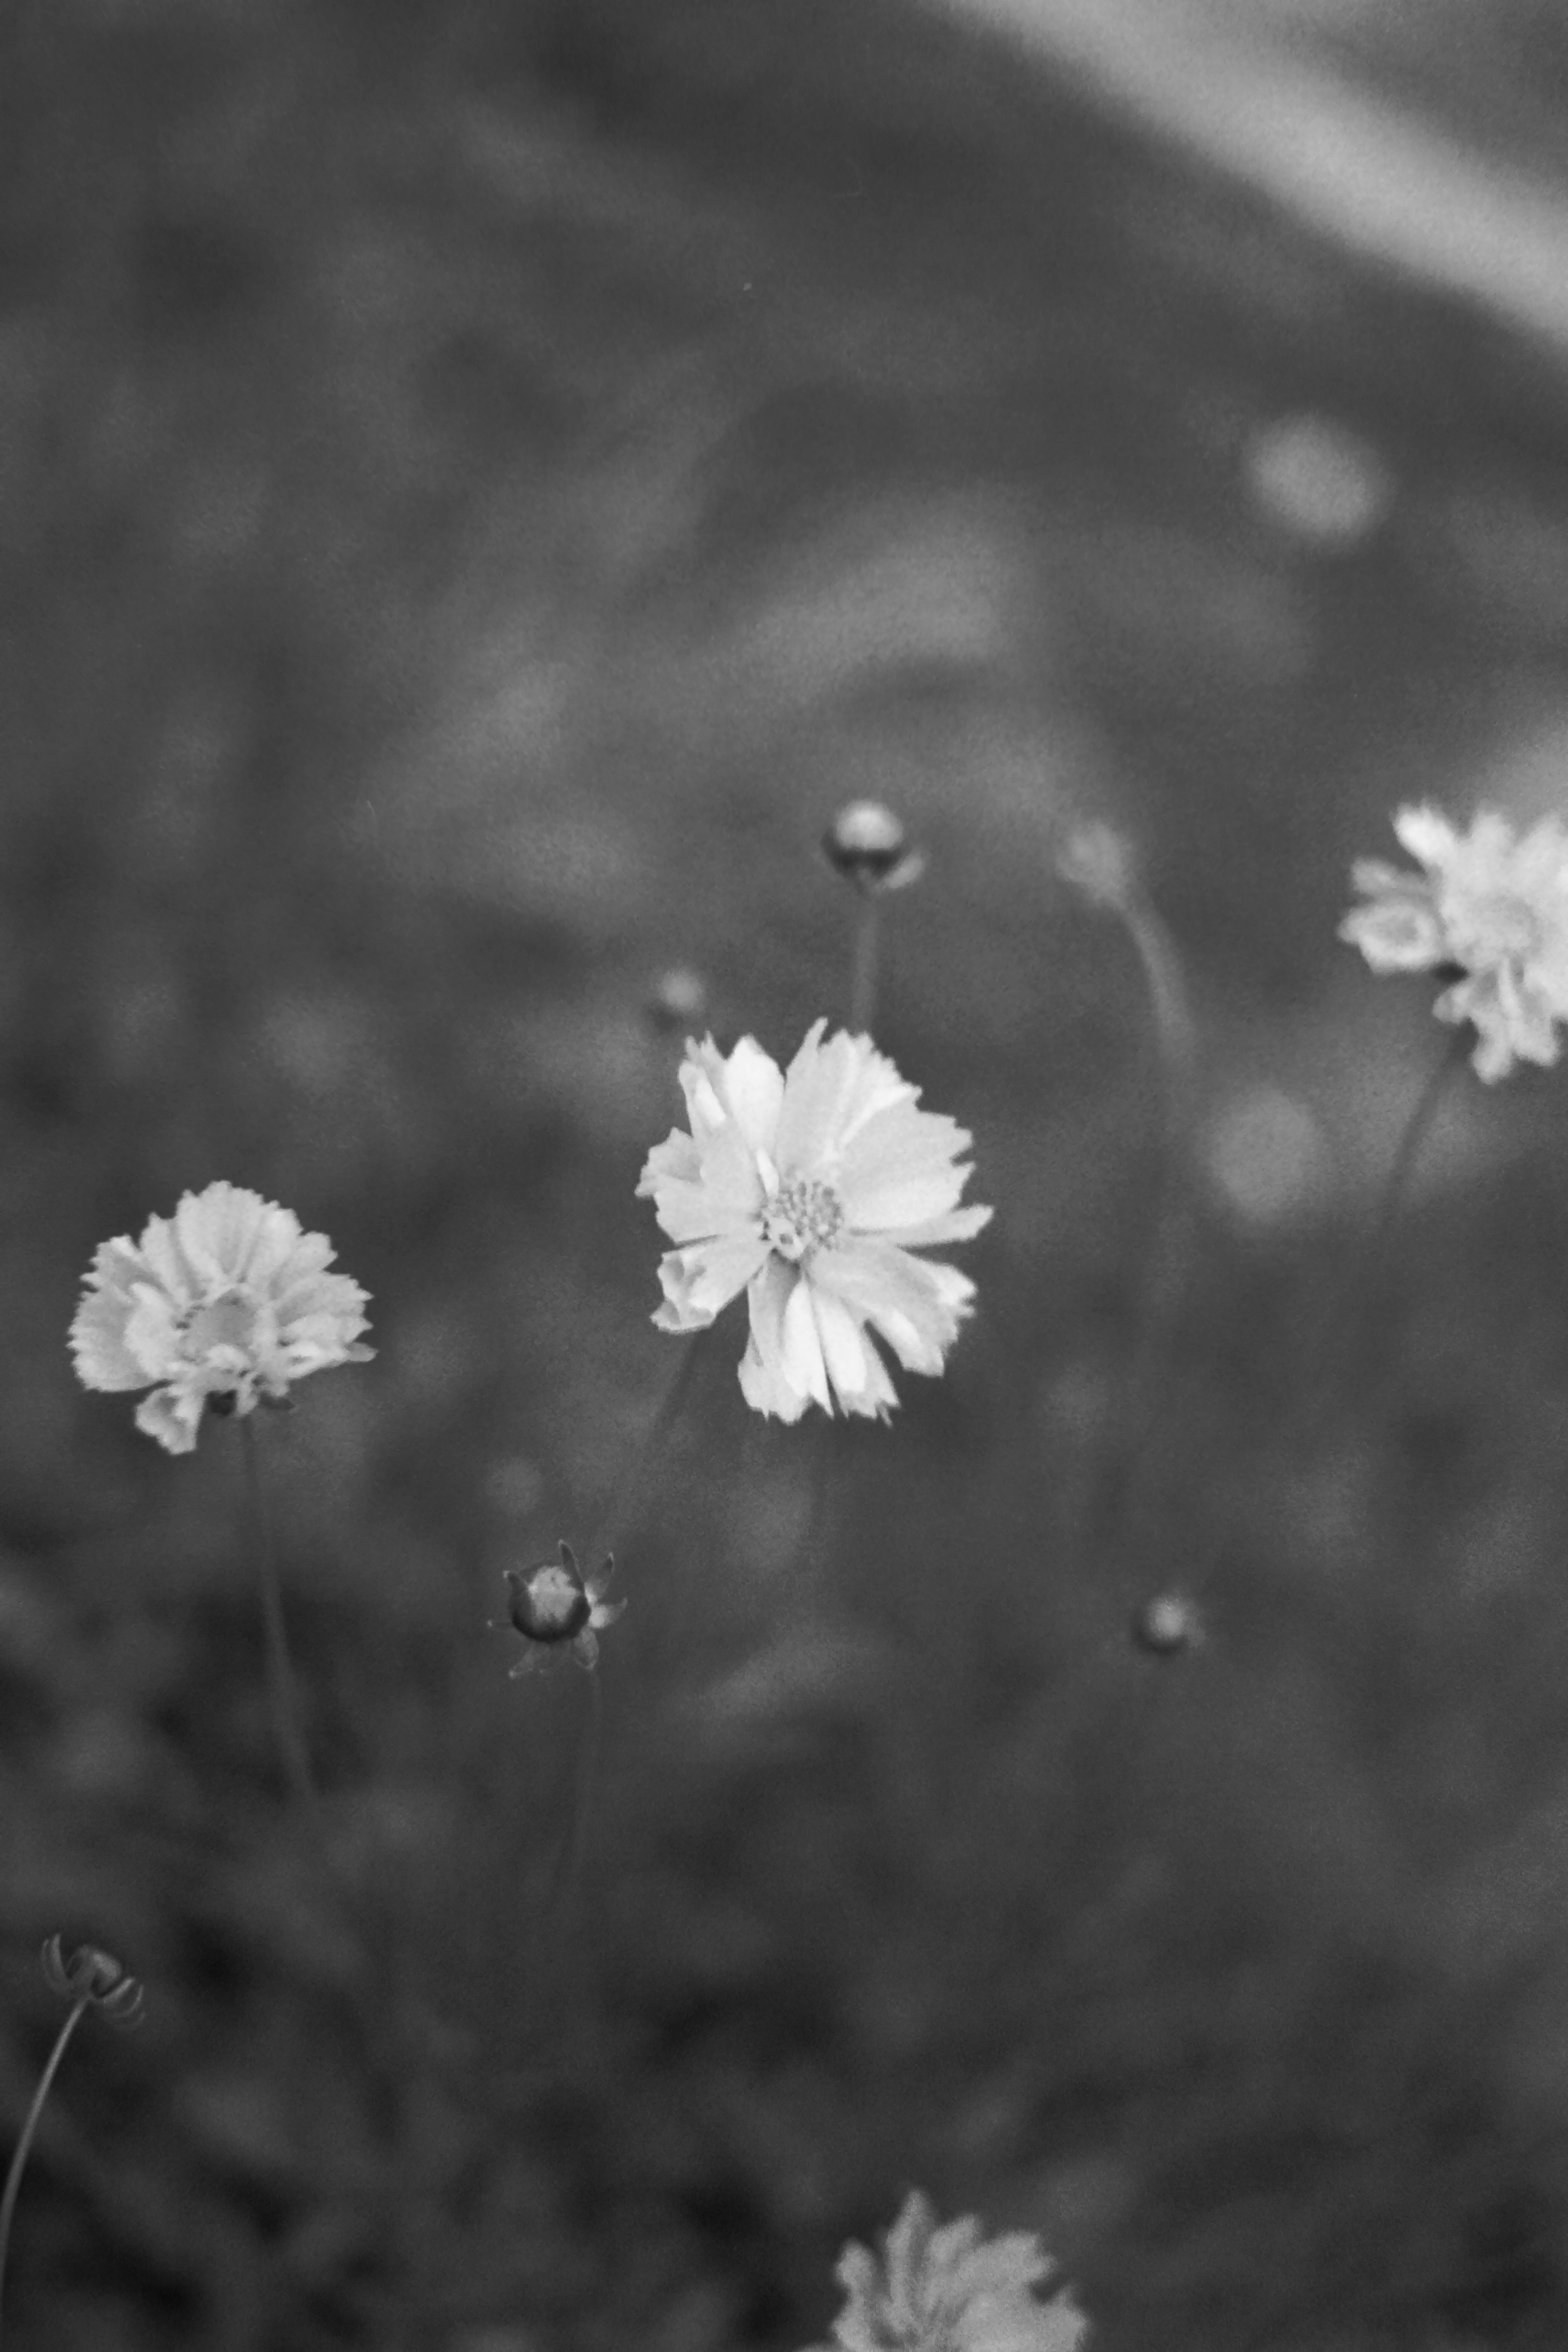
479,484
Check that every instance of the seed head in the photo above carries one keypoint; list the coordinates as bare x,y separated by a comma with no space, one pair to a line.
867,845
95,1976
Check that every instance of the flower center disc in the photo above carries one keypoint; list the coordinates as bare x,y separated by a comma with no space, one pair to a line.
1498,928
804,1215
228,1322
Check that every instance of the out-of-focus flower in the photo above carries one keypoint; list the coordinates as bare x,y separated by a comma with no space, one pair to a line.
948,2289
558,1609
677,998
811,1189
867,843
223,1303
1167,1624
1489,912
1098,860
95,1978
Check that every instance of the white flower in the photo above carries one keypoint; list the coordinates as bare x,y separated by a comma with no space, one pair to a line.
950,2290
810,1190
1488,911
227,1299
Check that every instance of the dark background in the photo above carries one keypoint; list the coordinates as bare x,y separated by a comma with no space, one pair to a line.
479,486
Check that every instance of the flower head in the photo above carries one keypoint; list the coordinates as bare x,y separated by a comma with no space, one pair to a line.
557,1609
948,2289
867,844
93,1976
1167,1624
222,1305
1096,859
1487,911
811,1189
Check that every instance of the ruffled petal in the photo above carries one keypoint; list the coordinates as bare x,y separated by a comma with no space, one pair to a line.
804,1364
172,1416
763,1382
913,1304
753,1089
1397,934
831,1090
702,1280
97,1345
1427,835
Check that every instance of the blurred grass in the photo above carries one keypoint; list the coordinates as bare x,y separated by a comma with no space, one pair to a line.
478,487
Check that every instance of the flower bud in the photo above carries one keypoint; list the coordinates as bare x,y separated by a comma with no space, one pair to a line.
558,1609
867,843
549,1603
1096,859
93,1975
1167,1624
678,1000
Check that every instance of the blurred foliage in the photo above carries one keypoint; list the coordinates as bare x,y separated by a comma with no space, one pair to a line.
479,484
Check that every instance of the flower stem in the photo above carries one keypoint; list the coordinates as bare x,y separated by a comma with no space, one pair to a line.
1356,1289
867,944
584,1781
24,2145
282,1690
1167,1256
617,1515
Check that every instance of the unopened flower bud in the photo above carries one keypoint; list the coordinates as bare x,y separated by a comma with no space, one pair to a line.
555,1607
1167,1624
1097,860
678,1000
549,1603
867,843
93,1975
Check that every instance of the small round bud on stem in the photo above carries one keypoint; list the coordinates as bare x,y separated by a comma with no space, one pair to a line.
96,1978
1167,1625
678,1000
867,845
555,1607
1097,860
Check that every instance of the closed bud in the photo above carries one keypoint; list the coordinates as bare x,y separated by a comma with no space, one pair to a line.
867,843
678,1000
1097,860
1167,1624
558,1609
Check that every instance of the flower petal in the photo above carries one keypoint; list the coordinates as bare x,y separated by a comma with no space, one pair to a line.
913,1305
753,1089
702,1279
804,1364
172,1416
764,1381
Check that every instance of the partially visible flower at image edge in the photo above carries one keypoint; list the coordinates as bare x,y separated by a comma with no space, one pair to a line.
226,1302
1488,911
948,2289
811,1189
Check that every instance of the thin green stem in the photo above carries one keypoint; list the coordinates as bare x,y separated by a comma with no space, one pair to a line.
1168,1255
282,1690
586,1781
867,945
1169,1252
616,1517
24,2145
1355,1293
